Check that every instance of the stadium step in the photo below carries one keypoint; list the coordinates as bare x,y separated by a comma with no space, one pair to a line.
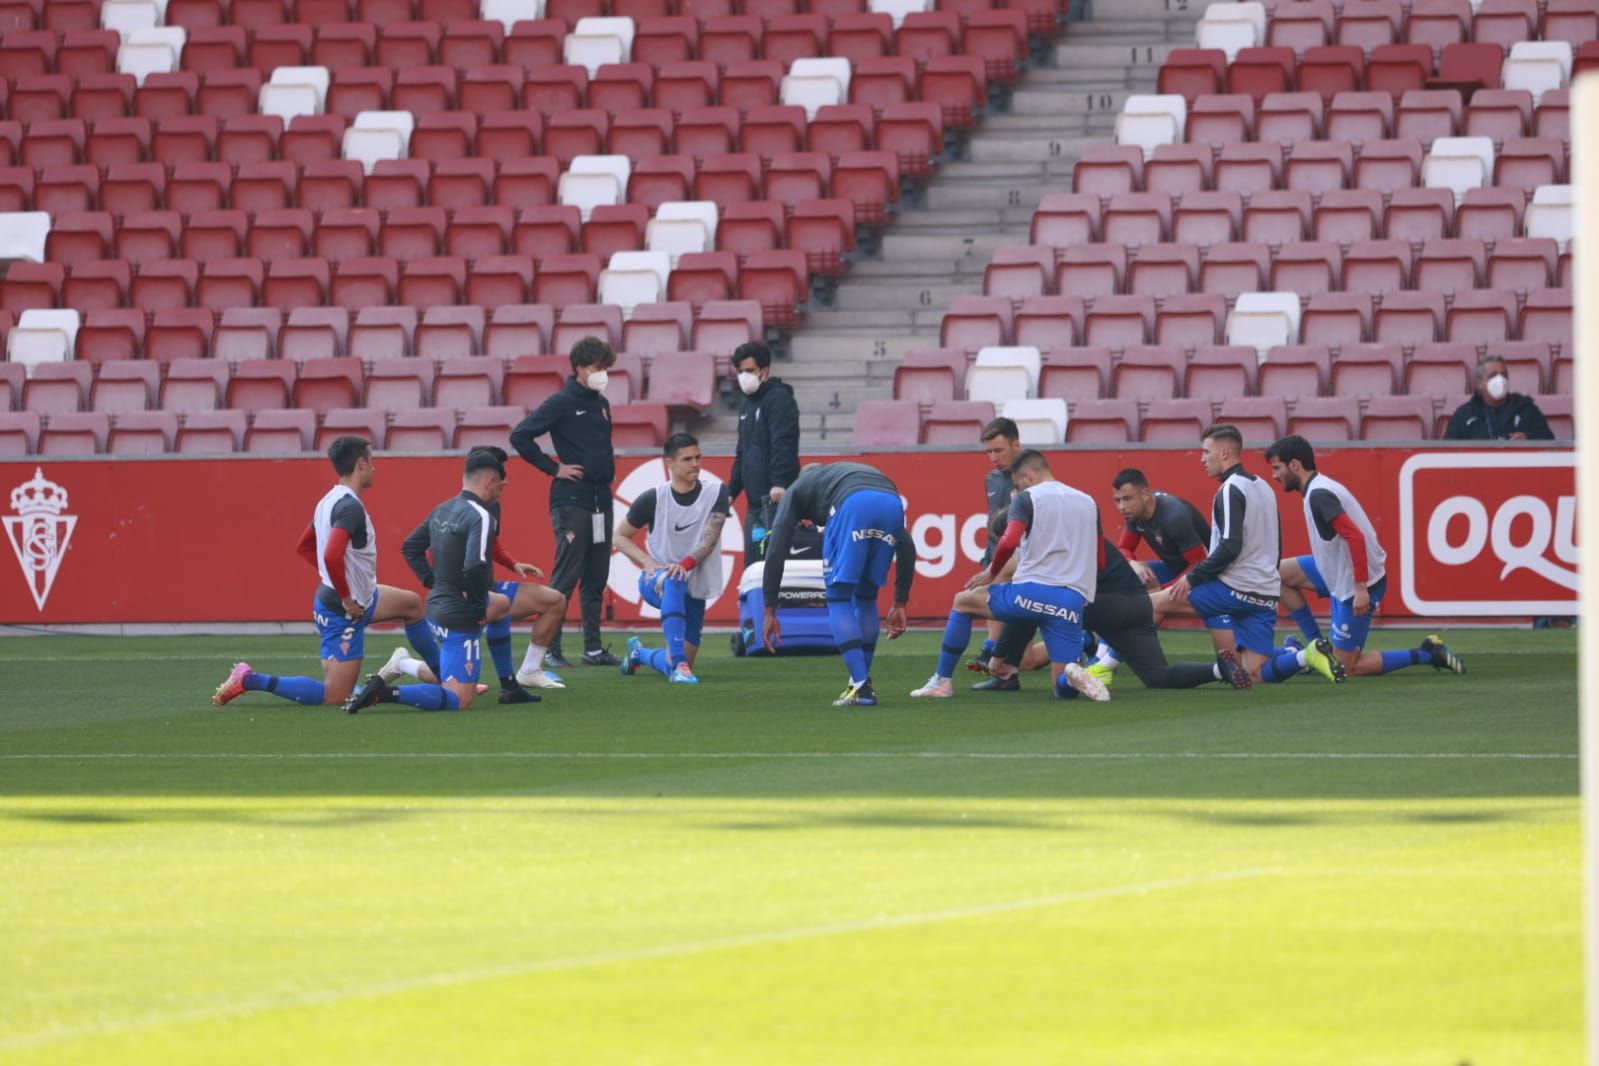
942,236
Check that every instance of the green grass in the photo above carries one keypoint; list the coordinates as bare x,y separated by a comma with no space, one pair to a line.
1386,873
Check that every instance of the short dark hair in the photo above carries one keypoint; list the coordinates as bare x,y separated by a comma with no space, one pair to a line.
345,452
1223,431
1031,459
1000,427
591,351
1286,449
756,350
1131,476
677,442
485,457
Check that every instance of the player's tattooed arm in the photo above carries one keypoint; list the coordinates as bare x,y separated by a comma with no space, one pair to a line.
710,537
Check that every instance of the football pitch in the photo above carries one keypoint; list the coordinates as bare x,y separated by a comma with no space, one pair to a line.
635,872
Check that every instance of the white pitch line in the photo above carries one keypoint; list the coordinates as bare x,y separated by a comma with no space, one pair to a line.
998,756
451,978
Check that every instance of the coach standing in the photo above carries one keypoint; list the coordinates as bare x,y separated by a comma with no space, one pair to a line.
578,420
767,460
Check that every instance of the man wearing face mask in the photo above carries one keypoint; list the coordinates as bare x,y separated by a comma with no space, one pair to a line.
1496,413
578,420
767,460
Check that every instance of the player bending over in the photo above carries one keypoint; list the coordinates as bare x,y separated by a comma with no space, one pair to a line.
682,566
1056,529
1345,565
864,530
461,597
341,545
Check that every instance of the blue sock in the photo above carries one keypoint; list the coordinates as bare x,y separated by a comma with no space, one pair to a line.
870,621
498,637
846,627
988,647
1306,621
306,690
427,697
659,660
423,643
1398,660
1280,667
673,622
957,634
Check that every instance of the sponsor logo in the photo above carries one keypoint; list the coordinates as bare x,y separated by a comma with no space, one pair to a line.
858,535
1489,533
39,531
580,411
684,528
1050,610
802,598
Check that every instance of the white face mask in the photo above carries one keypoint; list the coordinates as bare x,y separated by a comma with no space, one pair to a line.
598,380
748,382
1498,386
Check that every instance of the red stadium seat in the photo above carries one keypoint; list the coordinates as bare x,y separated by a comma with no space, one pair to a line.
887,423
1103,422
384,334
1215,372
110,335
1048,323
957,421
274,432
1397,418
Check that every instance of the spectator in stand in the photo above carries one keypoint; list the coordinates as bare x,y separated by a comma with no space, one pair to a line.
1496,413
767,460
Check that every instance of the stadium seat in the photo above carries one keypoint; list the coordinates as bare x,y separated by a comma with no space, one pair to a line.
276,432
1041,422
658,328
1367,370
1264,320
179,333
1147,372
1325,418
956,422
1103,422
1146,122
1214,372
1075,373
1397,418
82,433
420,430
1409,318
1442,371
1004,373
42,335
211,432
1293,370
57,388
110,335
1232,27
1337,318
19,434
485,425
929,375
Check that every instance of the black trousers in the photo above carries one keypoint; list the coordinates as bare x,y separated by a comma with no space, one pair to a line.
580,559
1127,623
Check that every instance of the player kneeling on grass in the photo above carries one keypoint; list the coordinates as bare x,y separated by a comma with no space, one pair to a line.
1235,587
1056,529
460,531
342,547
1346,564
527,600
684,518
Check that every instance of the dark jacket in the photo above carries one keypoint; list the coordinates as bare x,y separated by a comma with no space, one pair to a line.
768,442
1475,420
578,420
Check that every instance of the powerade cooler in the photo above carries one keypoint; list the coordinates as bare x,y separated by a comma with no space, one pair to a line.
801,602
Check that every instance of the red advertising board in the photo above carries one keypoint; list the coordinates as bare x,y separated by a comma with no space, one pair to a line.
1477,533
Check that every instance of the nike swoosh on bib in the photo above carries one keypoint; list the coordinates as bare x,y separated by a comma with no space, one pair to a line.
684,529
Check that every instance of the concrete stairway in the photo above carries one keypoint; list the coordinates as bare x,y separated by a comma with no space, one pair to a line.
936,249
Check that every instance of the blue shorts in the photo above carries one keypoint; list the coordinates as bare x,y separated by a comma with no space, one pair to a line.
342,640
1349,630
508,589
858,544
1164,572
460,656
693,609
1058,613
1253,619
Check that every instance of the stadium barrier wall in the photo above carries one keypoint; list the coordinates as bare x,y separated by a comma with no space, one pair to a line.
1468,533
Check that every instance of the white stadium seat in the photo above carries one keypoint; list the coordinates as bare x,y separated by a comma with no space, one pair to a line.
130,16
1264,320
595,42
151,51
1149,121
634,278
1538,66
681,227
1041,421
1004,373
595,181
378,135
43,336
1459,164
816,83
509,12
23,234
1552,213
295,91
898,9
1232,27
